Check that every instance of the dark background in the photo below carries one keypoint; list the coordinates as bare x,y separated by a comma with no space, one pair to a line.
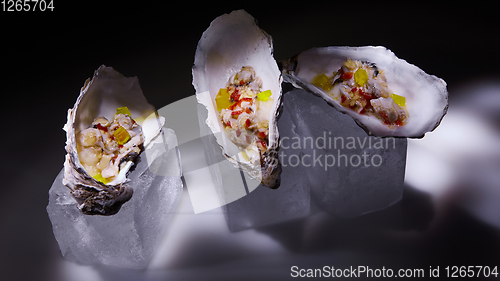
46,57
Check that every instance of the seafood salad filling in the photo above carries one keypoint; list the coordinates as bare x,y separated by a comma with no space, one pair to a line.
362,87
245,111
108,148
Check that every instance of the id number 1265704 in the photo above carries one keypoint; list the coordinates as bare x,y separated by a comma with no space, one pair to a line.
27,5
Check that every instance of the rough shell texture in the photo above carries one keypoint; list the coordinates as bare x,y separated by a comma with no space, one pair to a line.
232,41
426,95
100,96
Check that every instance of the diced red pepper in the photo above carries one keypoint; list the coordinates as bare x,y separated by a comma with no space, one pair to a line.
367,96
262,135
235,96
347,75
228,123
263,143
238,112
238,103
241,82
342,98
248,123
232,107
101,127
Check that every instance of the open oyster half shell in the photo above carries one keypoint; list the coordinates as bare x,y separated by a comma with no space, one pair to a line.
426,95
101,96
231,42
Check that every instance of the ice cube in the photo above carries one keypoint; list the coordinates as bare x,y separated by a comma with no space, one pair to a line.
349,172
327,160
128,238
247,203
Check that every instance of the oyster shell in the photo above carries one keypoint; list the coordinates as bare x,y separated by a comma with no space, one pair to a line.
101,96
231,44
425,96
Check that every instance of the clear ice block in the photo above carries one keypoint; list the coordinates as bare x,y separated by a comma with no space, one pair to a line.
128,238
327,160
247,203
349,173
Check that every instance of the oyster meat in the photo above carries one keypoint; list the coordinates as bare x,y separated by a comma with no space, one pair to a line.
237,79
107,149
385,95
100,152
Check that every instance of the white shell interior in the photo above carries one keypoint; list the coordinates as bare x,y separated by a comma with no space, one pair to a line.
426,95
232,41
101,96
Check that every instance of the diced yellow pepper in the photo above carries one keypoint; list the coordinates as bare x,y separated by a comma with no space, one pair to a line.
223,99
121,135
360,77
322,81
123,110
399,100
100,178
264,96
